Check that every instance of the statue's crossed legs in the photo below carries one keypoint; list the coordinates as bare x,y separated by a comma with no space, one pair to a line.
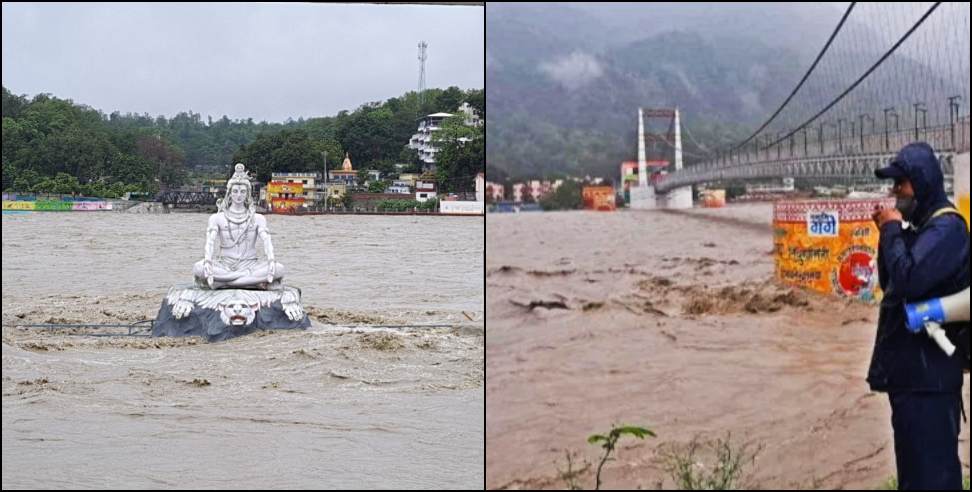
246,274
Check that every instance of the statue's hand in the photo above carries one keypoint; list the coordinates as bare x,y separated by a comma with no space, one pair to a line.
208,266
271,271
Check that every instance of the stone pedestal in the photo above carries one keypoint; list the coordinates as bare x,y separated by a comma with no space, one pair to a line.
222,314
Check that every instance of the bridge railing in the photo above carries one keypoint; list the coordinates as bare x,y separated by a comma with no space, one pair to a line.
186,198
853,156
858,167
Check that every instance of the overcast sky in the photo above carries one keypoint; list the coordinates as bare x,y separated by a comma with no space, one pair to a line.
261,61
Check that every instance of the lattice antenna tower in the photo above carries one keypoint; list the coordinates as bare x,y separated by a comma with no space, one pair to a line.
422,56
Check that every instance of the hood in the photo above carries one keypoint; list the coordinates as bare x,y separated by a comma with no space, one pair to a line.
920,164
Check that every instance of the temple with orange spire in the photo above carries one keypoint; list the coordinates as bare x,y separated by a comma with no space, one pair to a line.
347,174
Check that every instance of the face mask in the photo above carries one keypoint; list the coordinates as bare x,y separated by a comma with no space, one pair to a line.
906,206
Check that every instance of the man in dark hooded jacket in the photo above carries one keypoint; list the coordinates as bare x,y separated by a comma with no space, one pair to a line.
929,259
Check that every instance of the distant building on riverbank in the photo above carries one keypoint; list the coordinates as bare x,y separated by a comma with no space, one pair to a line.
291,190
534,190
423,140
346,174
425,190
495,192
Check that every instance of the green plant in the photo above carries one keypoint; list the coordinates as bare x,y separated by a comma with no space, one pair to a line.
570,475
431,204
890,484
609,442
377,186
333,201
687,468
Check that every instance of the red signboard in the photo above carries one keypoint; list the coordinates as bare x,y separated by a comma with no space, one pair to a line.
599,198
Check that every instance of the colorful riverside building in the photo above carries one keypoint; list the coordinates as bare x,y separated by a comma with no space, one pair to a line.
289,192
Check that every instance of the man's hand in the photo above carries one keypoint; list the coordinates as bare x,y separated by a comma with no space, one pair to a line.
885,215
271,271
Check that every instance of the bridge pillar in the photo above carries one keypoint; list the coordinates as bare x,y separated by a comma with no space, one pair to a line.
679,198
642,162
643,198
643,195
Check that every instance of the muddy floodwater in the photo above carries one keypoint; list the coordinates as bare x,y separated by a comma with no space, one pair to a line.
670,320
343,404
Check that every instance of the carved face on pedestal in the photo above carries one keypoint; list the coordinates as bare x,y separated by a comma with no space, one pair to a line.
238,312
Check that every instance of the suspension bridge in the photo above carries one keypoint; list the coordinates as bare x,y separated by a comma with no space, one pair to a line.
888,74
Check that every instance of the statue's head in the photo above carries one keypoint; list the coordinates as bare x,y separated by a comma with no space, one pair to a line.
238,190
238,194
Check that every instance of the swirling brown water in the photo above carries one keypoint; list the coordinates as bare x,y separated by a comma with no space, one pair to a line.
330,407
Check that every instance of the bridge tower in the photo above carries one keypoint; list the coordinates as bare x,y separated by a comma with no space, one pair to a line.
679,197
643,196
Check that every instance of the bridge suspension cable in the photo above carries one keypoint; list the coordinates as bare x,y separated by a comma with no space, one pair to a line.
861,78
810,70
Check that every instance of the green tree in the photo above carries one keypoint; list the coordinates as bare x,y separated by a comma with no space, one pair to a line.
362,177
377,186
47,135
450,99
432,204
167,159
410,157
567,196
25,180
462,155
368,134
64,184
477,99
12,104
285,151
